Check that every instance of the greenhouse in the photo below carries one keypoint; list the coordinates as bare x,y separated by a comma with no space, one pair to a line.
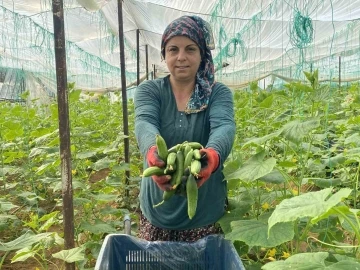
292,175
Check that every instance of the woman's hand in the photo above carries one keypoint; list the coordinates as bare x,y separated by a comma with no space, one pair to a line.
209,163
153,159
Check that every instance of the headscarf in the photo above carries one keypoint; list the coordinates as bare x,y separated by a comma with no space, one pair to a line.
200,32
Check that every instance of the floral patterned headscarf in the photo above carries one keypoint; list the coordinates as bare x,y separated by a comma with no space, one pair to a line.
200,32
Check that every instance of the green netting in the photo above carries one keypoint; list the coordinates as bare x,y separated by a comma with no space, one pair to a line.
268,41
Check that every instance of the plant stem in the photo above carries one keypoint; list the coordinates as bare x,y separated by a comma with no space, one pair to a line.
353,226
259,199
306,230
356,186
303,164
285,247
296,231
3,258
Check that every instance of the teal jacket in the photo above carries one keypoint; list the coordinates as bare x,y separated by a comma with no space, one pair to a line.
156,112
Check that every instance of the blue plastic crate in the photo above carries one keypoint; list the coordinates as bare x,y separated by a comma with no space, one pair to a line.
126,252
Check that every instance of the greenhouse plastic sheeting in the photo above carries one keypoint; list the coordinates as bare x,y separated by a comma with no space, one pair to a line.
121,251
255,39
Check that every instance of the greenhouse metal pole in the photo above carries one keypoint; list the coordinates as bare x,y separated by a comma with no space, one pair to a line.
339,72
124,94
64,127
138,56
147,61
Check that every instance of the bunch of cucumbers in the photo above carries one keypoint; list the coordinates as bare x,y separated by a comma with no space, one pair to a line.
182,162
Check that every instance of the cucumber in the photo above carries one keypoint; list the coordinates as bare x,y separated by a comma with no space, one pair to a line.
195,167
161,147
154,170
195,145
179,168
192,195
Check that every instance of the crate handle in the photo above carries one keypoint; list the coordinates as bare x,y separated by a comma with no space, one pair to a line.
127,224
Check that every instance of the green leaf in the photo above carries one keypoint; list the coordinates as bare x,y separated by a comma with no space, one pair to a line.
6,206
237,208
334,161
71,255
283,115
85,155
231,166
260,141
353,139
300,88
274,177
114,181
23,254
233,215
287,164
74,95
344,265
6,217
310,204
102,164
9,170
98,228
267,102
50,219
311,261
336,211
23,241
352,152
254,168
36,152
41,170
352,219
309,76
255,233
323,182
104,197
120,167
46,137
316,77
43,150
296,130
81,201
76,185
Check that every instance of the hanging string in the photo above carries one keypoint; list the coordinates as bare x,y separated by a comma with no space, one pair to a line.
302,31
233,46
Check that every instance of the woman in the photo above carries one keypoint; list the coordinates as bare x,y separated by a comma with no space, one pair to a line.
187,105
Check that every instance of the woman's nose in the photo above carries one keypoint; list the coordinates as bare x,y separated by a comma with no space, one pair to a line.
181,55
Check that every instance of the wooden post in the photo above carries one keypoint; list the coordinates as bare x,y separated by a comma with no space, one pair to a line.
64,127
137,56
123,92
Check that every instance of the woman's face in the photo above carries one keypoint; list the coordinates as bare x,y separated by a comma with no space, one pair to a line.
182,56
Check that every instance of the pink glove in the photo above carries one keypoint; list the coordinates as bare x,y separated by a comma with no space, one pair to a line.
153,159
209,163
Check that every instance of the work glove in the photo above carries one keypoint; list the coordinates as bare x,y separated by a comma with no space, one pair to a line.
153,159
209,163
